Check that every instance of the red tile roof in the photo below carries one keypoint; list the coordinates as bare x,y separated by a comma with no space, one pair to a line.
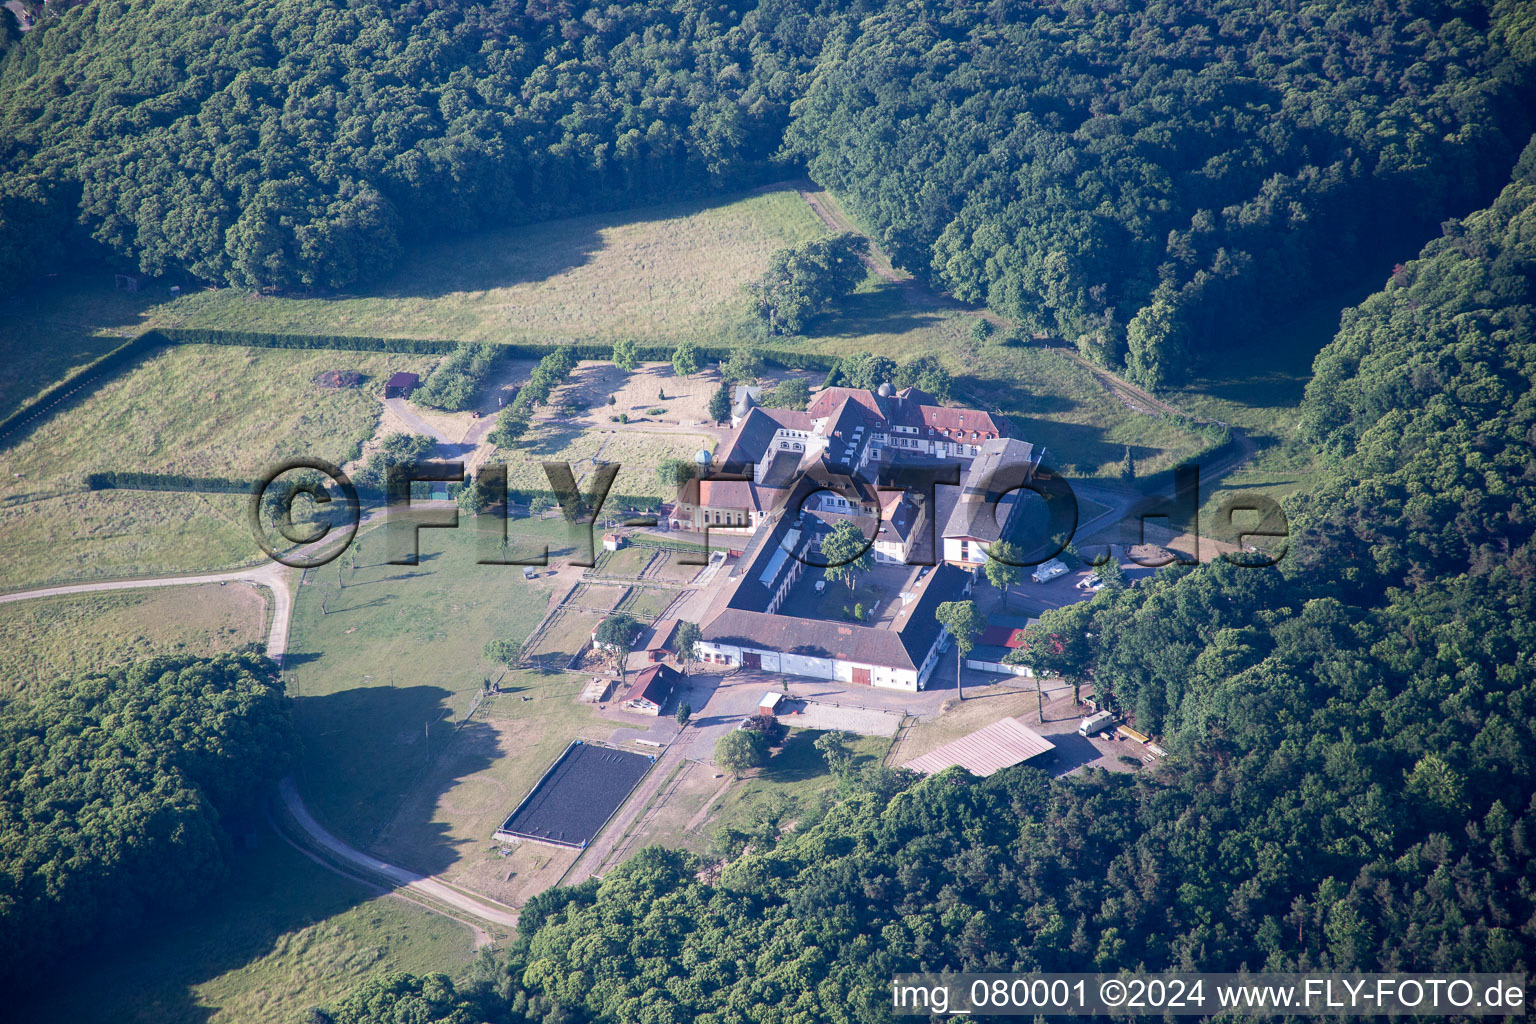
653,684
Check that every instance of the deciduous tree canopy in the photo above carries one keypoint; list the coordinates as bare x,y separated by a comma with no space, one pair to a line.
115,790
1352,774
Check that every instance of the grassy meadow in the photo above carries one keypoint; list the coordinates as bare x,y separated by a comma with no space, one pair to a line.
384,667
58,638
793,785
660,273
638,454
283,934
199,410
56,327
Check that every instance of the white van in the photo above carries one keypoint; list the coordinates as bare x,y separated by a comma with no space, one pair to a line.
1049,570
1096,723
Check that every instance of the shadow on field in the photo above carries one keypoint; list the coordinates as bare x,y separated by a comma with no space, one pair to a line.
376,760
1013,396
882,310
511,254
272,891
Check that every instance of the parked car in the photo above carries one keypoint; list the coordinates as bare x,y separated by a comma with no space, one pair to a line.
1049,570
1093,582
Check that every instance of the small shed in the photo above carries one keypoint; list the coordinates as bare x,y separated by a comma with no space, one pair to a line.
400,385
612,542
768,707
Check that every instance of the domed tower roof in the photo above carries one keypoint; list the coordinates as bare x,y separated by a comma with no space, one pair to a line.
886,391
702,456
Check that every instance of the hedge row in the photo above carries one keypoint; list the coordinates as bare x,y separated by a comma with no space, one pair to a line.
458,377
130,352
782,358
134,481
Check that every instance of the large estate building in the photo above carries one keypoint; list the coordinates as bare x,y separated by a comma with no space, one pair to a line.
774,617
857,444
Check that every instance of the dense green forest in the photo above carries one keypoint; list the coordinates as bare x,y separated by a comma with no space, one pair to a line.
114,790
1138,177
302,143
1135,176
1353,779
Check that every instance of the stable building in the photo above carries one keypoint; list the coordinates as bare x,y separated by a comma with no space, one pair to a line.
1001,638
649,692
764,624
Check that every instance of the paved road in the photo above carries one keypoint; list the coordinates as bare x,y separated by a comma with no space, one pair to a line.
278,579
426,886
273,576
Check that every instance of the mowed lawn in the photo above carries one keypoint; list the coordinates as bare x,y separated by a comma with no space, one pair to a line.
384,667
58,638
636,452
660,273
200,410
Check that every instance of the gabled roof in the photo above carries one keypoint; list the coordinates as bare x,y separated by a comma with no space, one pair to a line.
755,432
653,684
989,749
1001,466
848,429
899,519
970,425
828,400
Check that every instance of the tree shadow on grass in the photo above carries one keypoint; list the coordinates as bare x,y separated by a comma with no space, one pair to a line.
377,760
881,310
1014,398
509,254
272,891
372,757
797,760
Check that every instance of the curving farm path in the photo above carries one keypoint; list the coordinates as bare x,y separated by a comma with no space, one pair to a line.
429,891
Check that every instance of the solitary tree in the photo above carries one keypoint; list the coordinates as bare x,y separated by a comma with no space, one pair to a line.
925,373
625,356
834,748
963,622
674,472
743,367
1127,465
684,713
1060,644
792,394
720,404
615,637
685,359
868,371
847,552
1002,568
507,652
1112,574
741,749
688,636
